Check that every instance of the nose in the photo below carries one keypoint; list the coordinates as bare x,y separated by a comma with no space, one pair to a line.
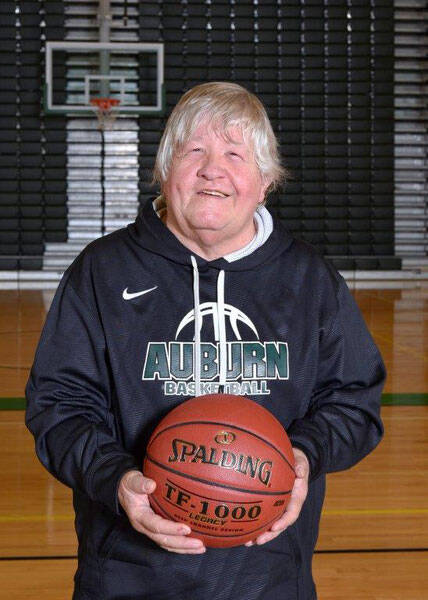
211,167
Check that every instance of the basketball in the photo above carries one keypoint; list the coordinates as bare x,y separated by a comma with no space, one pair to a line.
223,465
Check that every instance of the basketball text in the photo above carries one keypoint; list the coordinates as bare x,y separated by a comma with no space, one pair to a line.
184,451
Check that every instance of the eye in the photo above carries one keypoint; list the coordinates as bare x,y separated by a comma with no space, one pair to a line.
235,154
192,150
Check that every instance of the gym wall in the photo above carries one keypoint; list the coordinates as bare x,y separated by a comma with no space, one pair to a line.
323,68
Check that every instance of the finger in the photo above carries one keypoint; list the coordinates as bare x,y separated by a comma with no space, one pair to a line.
132,484
298,497
187,551
301,466
277,528
155,524
291,513
137,483
148,485
290,516
177,543
268,536
169,534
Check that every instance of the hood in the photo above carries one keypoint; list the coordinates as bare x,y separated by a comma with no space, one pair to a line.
149,232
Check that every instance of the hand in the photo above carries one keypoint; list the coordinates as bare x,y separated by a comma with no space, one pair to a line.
133,496
298,496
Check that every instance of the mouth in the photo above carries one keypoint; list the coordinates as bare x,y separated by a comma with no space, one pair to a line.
216,193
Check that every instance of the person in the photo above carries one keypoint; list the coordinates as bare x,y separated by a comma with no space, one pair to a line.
189,300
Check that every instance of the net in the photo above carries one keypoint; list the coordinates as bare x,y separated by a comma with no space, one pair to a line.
104,109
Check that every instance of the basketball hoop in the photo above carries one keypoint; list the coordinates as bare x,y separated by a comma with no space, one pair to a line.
103,108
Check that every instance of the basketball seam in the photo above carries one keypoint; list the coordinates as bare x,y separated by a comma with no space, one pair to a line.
209,497
221,485
206,533
221,424
236,535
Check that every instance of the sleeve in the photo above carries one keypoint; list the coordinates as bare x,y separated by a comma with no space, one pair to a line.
69,401
342,424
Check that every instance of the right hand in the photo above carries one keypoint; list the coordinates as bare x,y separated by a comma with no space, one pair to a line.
133,496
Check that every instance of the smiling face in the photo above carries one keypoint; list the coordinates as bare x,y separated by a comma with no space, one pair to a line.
212,191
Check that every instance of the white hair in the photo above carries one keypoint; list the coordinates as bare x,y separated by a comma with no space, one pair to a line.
224,105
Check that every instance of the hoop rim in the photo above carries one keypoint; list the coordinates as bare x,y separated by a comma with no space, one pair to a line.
105,104
104,109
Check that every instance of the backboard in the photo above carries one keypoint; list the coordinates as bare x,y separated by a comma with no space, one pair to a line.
78,72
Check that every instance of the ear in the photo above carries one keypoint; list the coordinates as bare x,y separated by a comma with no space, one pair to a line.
266,188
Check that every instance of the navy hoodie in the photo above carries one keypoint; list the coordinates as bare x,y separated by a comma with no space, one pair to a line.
278,325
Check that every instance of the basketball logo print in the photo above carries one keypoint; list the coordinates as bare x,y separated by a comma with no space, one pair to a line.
210,308
250,363
225,437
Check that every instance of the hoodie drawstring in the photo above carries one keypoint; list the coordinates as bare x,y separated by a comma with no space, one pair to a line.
219,326
221,320
197,337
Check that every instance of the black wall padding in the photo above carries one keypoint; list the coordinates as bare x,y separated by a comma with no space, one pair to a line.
33,146
324,70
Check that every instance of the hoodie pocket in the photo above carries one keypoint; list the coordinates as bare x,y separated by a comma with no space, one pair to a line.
103,530
108,543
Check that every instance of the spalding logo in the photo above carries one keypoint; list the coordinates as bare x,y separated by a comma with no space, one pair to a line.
225,437
251,466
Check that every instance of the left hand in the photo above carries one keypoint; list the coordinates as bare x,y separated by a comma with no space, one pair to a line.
298,496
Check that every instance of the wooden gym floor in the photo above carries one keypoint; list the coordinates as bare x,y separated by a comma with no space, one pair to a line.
373,539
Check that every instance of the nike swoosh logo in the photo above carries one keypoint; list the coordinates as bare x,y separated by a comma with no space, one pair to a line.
130,295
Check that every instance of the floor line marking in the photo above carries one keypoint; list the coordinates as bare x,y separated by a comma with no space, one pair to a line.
333,551
67,557
369,550
327,512
33,518
376,511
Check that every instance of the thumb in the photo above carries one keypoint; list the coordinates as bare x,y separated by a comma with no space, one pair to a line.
301,463
137,483
148,485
